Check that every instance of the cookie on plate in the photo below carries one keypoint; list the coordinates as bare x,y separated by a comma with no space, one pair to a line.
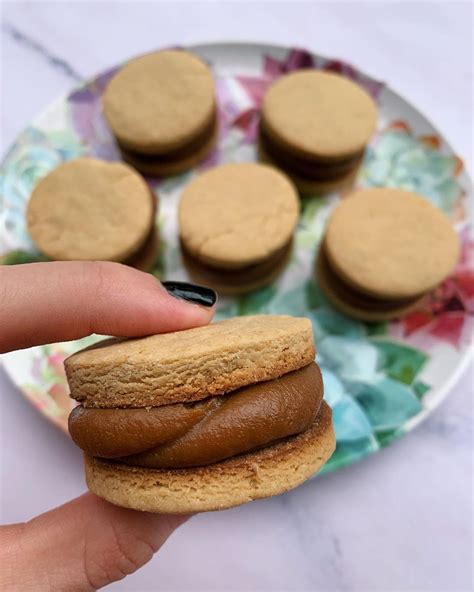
383,251
161,109
89,209
315,126
236,223
203,419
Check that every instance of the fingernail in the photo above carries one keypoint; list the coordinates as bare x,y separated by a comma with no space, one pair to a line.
191,293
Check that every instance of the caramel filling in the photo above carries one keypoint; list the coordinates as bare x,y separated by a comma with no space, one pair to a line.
235,277
356,299
179,153
197,434
314,170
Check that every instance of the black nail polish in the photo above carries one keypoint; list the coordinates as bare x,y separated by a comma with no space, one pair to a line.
191,293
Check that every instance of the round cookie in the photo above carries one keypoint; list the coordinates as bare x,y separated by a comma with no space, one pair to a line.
90,209
312,186
390,243
238,214
160,102
175,163
319,114
270,471
189,365
355,304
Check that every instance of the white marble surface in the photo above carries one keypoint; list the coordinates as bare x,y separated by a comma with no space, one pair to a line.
399,521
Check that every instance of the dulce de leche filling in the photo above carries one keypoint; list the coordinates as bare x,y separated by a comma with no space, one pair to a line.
317,170
196,434
235,277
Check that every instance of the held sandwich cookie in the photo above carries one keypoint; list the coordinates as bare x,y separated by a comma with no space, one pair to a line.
315,126
88,209
384,249
236,223
203,419
161,109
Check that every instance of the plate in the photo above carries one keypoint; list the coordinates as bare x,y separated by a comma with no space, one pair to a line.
380,379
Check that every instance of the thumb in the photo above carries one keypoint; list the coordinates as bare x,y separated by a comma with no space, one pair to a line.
80,546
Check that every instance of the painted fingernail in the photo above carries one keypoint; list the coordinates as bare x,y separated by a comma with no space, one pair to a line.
201,295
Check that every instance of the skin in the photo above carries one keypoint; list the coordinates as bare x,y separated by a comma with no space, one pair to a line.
87,543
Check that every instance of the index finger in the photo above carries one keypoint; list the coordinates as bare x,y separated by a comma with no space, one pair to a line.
59,301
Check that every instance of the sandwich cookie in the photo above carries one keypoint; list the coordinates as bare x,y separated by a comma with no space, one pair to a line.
88,209
315,126
236,224
383,251
203,419
161,109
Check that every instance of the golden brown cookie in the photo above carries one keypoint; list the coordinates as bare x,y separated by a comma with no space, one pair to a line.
319,114
189,365
90,209
160,102
355,304
390,244
238,480
315,126
238,214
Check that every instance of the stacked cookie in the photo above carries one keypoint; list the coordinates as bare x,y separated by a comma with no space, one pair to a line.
315,126
88,209
203,419
161,109
383,250
236,225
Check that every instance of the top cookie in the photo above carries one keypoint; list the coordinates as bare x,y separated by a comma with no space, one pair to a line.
160,102
189,365
390,243
319,114
238,214
90,209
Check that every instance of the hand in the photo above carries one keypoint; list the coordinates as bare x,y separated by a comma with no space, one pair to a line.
87,543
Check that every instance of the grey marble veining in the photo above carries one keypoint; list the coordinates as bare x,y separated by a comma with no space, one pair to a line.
29,43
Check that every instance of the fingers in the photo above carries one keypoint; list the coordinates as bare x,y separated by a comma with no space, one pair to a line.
81,546
58,301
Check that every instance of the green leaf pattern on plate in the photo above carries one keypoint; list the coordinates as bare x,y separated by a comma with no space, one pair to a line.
399,159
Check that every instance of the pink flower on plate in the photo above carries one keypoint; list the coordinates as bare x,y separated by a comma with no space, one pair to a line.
247,122
60,395
296,59
256,87
446,310
55,364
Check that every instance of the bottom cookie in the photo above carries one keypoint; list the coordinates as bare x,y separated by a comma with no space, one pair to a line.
264,473
354,303
237,281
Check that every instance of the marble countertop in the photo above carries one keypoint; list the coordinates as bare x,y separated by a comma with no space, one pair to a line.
401,520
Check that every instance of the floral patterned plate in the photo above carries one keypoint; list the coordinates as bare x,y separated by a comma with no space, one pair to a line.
380,379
